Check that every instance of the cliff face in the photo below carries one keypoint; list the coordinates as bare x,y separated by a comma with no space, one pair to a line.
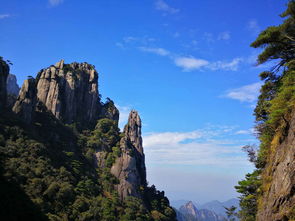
129,168
12,86
68,91
278,201
4,71
26,102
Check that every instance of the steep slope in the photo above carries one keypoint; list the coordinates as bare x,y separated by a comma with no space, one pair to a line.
60,148
278,201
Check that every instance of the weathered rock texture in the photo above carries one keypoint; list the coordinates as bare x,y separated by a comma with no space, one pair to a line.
109,110
26,101
279,176
129,168
68,91
12,86
4,71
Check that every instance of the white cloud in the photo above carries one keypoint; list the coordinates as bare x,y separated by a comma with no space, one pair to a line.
229,66
224,35
55,2
124,114
246,132
170,138
247,93
253,26
161,5
2,16
190,63
158,51
200,147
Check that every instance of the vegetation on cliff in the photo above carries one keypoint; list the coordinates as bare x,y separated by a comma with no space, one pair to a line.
273,111
49,171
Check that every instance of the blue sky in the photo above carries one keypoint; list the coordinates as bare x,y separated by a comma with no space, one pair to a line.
185,65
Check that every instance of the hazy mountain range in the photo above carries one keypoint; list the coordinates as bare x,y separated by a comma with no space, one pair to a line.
211,211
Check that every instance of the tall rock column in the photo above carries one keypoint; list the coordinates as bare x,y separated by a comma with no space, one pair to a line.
26,102
129,168
4,71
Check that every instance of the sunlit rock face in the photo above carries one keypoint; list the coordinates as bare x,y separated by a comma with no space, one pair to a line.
129,168
279,199
68,91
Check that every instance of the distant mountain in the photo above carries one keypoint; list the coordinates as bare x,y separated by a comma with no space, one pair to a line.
178,203
218,207
189,212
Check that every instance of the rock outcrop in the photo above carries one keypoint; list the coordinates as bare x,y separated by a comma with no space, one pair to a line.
4,71
68,91
110,111
26,102
278,202
129,168
12,90
12,86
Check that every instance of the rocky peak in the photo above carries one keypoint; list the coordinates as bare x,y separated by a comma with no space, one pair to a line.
69,92
12,86
133,131
4,71
129,168
26,101
189,208
109,110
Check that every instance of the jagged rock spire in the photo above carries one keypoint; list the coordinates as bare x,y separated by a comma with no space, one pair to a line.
129,168
133,130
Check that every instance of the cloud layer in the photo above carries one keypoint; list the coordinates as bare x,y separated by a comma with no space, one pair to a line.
207,147
247,93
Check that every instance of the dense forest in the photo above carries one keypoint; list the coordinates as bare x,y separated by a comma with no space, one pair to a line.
268,192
